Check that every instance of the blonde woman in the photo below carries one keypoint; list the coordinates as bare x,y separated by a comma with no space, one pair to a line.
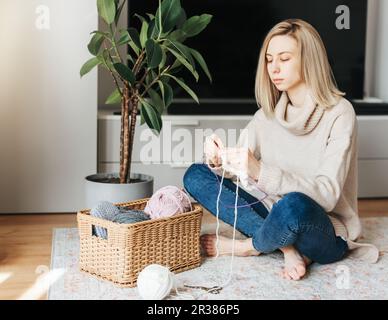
302,153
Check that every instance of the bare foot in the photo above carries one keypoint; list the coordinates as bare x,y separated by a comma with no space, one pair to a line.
294,264
242,248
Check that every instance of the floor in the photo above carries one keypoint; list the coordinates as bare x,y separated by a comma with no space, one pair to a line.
25,249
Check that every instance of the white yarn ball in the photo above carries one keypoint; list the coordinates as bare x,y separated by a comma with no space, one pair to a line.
155,282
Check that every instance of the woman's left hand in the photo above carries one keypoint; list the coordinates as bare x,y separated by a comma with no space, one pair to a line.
243,159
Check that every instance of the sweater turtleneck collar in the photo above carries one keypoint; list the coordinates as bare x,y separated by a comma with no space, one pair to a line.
306,119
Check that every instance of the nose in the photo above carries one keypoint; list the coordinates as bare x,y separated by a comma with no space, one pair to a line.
275,68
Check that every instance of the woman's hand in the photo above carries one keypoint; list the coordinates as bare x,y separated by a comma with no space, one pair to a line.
242,160
212,148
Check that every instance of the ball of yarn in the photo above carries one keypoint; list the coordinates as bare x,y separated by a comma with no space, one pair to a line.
130,216
167,201
155,282
104,210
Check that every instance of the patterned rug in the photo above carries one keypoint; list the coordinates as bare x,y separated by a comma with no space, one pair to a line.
253,277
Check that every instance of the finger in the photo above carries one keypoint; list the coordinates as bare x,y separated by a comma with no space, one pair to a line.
218,141
216,160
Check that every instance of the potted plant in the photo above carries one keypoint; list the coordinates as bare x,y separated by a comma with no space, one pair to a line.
144,80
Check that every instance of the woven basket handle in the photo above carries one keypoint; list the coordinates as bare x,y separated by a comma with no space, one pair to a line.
85,227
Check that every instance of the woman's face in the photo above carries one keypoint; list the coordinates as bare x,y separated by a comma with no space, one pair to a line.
283,62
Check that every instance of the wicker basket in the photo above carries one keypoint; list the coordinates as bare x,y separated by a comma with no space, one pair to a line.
172,242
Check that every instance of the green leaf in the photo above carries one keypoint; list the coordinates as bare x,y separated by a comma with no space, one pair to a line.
141,18
150,15
183,50
169,12
182,19
167,93
154,53
107,10
104,58
201,61
119,9
134,35
156,101
95,43
163,61
177,35
150,77
143,33
196,24
134,48
118,13
142,120
176,64
184,86
184,62
89,65
151,117
152,30
129,57
106,34
125,72
124,38
161,87
114,97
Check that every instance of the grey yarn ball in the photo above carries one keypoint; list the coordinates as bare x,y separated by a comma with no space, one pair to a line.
130,216
104,210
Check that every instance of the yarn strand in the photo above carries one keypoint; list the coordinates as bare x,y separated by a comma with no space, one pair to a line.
216,289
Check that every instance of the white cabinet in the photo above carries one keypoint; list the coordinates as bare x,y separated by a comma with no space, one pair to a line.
180,132
372,156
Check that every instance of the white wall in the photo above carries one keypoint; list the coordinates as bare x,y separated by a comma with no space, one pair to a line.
376,78
48,129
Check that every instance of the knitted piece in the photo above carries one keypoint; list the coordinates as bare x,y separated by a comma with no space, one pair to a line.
103,210
240,170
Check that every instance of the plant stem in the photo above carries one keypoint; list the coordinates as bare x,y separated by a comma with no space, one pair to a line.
111,72
113,41
133,102
124,165
155,80
141,82
138,62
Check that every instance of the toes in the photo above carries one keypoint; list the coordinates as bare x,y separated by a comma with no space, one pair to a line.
208,244
282,273
287,275
301,270
294,274
297,272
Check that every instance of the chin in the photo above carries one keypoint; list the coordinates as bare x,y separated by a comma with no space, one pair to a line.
281,87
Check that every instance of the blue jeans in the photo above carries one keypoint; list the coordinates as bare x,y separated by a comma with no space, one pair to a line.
295,220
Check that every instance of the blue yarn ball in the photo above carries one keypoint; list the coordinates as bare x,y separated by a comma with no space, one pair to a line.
130,216
104,210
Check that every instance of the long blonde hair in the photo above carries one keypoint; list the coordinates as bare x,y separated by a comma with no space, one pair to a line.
316,71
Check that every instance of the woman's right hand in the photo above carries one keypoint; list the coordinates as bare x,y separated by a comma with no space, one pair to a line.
212,147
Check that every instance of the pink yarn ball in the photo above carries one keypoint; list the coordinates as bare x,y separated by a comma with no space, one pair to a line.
168,201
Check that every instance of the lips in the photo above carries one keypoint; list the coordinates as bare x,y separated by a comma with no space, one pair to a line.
277,80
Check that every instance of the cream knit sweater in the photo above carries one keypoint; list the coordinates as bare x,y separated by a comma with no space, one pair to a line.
314,151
